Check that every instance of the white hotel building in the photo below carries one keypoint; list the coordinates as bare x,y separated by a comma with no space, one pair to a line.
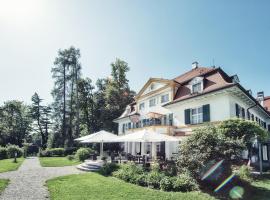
175,107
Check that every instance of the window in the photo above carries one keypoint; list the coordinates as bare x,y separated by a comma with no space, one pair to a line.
164,98
152,102
141,106
123,128
152,87
197,87
158,147
148,147
264,152
197,115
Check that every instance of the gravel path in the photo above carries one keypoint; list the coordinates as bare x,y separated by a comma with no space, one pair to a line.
27,183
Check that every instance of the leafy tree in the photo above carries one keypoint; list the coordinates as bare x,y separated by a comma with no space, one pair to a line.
211,144
41,119
15,122
66,72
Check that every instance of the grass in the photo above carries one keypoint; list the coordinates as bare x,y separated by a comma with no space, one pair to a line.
8,164
94,186
3,184
57,162
262,188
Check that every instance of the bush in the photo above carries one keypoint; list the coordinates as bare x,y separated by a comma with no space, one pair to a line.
154,178
166,183
70,157
141,179
57,151
244,173
108,168
3,153
52,152
129,172
12,149
184,183
70,150
83,153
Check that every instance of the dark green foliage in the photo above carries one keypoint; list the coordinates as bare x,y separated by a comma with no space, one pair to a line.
166,183
3,153
128,172
15,123
154,178
204,145
141,179
53,152
242,129
12,149
108,168
70,150
83,153
184,183
41,119
70,157
244,173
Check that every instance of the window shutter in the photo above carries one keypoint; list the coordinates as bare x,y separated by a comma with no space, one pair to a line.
269,127
243,113
187,116
206,113
237,110
248,115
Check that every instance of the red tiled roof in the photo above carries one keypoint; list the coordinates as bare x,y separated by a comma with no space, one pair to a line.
199,71
212,82
266,103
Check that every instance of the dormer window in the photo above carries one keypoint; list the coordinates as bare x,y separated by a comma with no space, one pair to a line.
152,102
196,85
152,87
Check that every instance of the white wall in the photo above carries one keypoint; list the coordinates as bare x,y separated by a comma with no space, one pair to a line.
219,107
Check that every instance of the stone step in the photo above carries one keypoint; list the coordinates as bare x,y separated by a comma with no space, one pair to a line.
88,169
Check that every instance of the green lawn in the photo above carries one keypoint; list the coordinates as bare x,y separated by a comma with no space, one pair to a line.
94,186
262,185
9,165
3,184
57,162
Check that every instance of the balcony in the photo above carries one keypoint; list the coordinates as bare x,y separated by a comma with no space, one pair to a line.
166,120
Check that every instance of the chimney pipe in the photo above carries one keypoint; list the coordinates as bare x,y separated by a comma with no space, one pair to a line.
195,65
260,97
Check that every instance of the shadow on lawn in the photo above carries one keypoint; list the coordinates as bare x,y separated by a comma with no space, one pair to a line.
258,190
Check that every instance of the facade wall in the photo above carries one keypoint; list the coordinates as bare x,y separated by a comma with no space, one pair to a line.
219,108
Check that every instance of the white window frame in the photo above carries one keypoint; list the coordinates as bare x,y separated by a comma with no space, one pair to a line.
154,100
198,116
194,82
166,99
264,152
142,106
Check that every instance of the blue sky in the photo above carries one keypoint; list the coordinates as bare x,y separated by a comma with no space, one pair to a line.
157,39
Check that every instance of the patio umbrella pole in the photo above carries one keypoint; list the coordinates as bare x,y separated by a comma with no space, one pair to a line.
101,150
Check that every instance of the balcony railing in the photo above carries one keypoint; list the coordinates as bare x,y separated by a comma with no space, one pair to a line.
166,120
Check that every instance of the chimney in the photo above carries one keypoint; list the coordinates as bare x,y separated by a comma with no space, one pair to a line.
195,65
260,97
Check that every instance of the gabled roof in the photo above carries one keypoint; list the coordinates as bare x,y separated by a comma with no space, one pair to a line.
199,71
151,80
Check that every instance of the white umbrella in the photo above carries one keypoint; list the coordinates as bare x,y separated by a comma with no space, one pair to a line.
100,137
84,137
146,136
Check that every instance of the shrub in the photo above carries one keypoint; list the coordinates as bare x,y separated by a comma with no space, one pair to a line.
108,168
3,153
70,157
184,183
83,153
129,172
70,150
154,178
244,173
166,183
141,179
45,153
169,168
12,149
57,151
